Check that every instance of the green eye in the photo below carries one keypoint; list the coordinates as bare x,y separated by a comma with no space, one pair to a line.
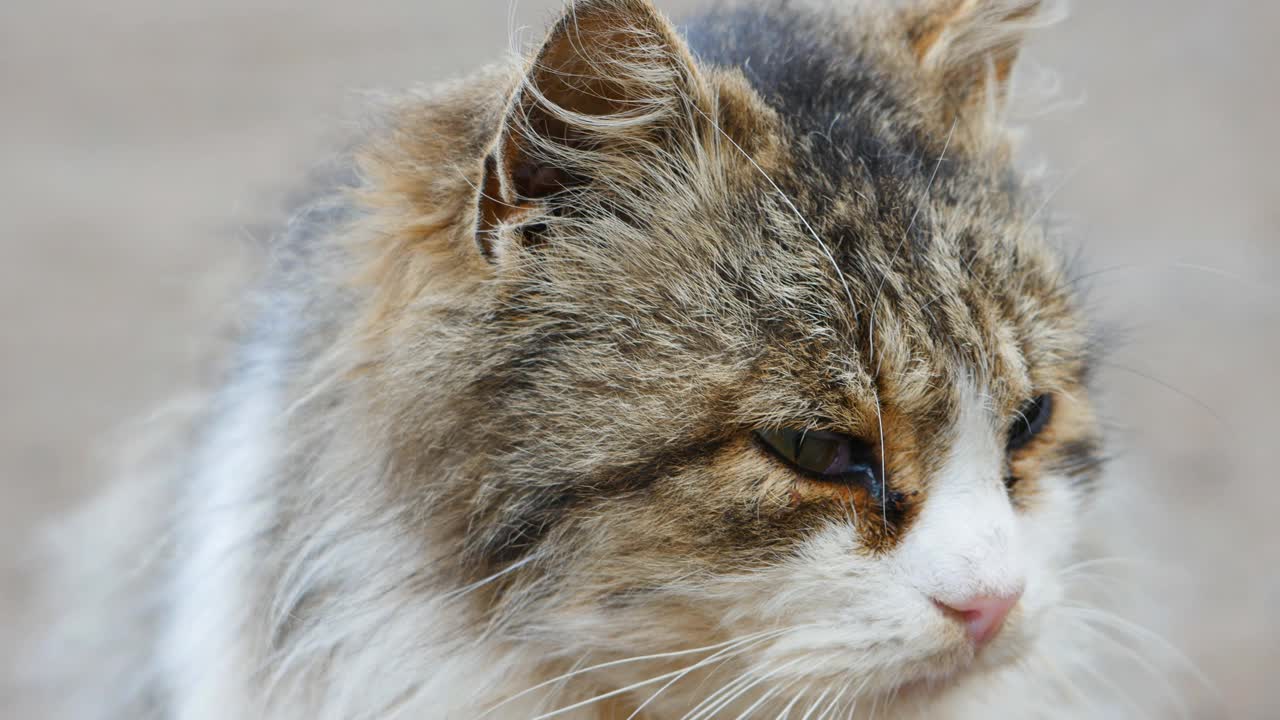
831,456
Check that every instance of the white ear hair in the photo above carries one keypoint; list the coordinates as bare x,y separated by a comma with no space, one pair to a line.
972,32
611,90
969,47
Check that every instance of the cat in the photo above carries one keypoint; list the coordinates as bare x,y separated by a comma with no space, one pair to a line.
719,370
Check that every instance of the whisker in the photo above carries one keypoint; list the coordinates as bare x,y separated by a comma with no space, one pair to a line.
1072,692
737,651
1138,632
1174,389
1227,275
786,711
835,701
1093,562
1237,279
559,687
641,658
857,694
460,592
1102,679
875,706
726,701
1171,692
815,704
650,681
763,699
730,686
884,480
598,698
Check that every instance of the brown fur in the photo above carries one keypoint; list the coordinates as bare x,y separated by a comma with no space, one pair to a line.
987,296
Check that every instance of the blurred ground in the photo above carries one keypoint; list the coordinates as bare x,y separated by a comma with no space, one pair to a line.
142,141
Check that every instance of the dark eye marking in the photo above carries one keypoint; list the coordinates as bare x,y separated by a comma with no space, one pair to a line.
1030,421
826,456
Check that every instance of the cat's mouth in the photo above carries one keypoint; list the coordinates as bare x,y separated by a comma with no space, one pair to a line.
958,666
927,679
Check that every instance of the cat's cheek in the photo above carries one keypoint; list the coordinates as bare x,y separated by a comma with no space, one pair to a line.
1050,526
1047,530
849,613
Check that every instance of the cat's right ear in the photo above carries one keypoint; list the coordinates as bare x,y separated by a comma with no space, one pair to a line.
968,49
607,92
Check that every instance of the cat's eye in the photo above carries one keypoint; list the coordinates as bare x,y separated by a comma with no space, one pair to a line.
1030,421
832,457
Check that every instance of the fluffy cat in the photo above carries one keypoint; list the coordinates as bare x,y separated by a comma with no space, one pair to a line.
726,371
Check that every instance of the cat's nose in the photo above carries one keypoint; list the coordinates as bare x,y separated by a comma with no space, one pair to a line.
983,615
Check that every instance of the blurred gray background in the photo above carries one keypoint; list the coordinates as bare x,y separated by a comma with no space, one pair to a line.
144,144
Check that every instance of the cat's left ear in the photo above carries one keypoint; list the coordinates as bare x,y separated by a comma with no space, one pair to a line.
612,93
968,49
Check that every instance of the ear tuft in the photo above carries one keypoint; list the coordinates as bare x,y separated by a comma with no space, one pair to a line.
613,81
969,47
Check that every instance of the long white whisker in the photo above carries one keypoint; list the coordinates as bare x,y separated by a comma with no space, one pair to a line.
763,699
603,696
856,694
875,705
1171,692
815,704
835,701
1093,562
709,700
786,711
554,692
460,592
723,703
736,651
626,661
633,686
1141,633
1101,678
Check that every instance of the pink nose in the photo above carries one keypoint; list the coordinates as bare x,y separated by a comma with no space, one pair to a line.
983,615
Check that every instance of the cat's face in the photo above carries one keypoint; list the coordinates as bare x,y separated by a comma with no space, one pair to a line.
649,475
813,402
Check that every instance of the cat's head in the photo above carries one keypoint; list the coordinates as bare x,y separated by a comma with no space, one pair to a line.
762,350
